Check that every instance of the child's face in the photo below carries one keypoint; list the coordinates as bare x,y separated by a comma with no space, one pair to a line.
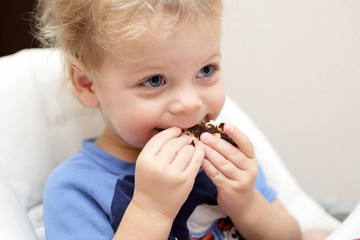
172,81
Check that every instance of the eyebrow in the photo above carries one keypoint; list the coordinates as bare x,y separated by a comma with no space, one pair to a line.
218,54
149,66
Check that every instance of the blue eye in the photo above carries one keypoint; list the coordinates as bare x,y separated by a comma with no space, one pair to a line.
154,81
206,71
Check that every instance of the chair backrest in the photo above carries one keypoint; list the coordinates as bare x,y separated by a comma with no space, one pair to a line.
37,119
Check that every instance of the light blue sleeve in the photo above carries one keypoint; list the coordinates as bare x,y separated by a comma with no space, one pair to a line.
75,209
261,185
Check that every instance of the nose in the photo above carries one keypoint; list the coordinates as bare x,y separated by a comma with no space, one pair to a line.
185,101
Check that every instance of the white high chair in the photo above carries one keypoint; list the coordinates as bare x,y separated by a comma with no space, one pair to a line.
40,126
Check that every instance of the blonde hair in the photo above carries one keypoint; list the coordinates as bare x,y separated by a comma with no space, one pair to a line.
88,29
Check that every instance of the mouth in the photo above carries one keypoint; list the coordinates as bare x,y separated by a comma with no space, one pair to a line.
206,119
159,129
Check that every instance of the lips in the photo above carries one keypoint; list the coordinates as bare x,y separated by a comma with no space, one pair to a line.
183,126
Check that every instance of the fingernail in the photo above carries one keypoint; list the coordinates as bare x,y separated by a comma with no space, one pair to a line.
199,144
188,138
176,129
205,137
229,127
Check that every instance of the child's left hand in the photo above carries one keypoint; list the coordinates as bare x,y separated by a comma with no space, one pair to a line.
233,170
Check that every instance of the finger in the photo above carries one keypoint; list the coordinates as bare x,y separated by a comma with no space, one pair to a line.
173,147
213,173
224,150
155,144
224,165
197,158
243,142
183,157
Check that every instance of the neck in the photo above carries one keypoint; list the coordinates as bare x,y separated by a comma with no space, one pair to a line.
116,147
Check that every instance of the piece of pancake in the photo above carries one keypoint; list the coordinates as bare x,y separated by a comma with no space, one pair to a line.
216,129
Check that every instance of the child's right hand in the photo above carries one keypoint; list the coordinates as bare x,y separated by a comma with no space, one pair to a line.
165,172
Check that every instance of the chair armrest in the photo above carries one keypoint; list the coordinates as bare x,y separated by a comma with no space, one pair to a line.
349,229
14,223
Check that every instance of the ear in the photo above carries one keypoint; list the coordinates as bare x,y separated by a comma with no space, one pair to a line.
83,85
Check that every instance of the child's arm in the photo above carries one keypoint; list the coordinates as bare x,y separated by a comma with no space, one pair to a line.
165,174
234,172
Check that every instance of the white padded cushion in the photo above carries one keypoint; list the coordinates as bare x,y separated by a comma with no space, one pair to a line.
349,229
41,123
38,118
14,224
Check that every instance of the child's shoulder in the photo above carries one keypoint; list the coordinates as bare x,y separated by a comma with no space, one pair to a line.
79,164
90,167
77,171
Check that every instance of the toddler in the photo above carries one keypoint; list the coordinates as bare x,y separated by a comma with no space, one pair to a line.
153,67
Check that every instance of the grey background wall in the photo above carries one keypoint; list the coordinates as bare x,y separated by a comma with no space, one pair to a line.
294,66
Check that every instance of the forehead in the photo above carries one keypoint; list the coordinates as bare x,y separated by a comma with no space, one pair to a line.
192,33
191,45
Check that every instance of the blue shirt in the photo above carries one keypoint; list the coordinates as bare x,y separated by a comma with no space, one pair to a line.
87,195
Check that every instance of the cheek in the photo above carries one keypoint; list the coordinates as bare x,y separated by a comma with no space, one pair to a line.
220,99
215,100
129,117
140,124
